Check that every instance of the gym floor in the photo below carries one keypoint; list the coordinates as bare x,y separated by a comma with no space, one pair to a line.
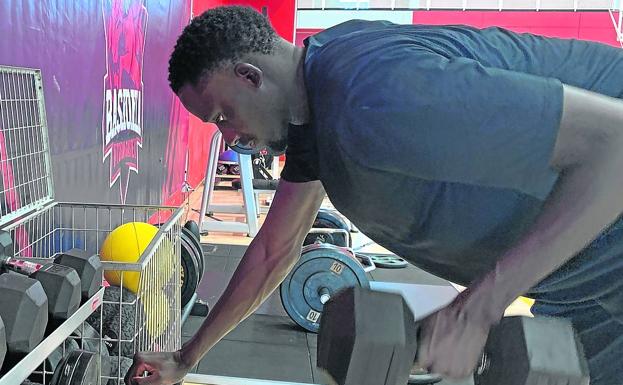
268,345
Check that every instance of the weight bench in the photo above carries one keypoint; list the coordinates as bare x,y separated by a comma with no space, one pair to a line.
263,186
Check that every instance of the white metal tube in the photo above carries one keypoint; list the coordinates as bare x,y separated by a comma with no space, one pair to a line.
208,180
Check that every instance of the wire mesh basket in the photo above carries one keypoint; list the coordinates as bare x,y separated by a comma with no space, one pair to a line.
142,310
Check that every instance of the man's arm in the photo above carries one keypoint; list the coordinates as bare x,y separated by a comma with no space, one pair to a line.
586,199
267,261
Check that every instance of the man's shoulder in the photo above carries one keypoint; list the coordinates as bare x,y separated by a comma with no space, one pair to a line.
342,30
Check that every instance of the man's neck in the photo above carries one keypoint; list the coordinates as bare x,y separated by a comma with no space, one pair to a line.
292,79
299,108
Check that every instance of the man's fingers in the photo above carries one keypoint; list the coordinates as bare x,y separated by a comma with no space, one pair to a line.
152,379
139,366
129,376
424,353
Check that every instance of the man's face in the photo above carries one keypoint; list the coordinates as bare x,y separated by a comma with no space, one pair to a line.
247,109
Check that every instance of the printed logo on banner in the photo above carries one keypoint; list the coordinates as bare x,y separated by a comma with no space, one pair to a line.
125,24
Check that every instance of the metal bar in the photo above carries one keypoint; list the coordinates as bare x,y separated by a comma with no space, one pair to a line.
222,380
117,206
227,209
44,133
23,149
232,227
188,308
37,356
617,27
208,181
246,179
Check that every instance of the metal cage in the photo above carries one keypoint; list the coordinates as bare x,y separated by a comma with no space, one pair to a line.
145,318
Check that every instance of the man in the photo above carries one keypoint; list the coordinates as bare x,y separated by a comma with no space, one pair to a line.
489,158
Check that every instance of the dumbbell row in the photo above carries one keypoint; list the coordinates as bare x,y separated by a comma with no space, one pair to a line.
312,286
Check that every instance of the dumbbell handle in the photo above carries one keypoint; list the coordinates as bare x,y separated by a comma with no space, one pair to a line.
20,265
432,378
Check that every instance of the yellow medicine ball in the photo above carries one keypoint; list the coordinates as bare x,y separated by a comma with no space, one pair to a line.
156,309
127,243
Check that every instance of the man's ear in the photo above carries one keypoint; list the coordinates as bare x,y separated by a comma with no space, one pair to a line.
249,73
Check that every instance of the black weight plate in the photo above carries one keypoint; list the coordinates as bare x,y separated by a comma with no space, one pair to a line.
190,270
118,320
57,355
119,366
389,261
194,228
337,239
320,266
79,367
312,238
330,219
198,249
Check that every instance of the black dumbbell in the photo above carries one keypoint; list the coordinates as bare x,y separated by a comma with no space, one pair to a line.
234,169
24,310
89,268
60,283
519,350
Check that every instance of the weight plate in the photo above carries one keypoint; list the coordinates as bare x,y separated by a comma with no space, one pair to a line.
244,150
189,270
196,247
322,269
337,239
79,367
194,228
389,261
328,219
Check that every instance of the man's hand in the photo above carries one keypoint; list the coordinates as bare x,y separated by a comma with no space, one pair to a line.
452,340
163,369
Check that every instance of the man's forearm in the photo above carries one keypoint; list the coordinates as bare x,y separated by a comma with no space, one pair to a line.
255,278
587,198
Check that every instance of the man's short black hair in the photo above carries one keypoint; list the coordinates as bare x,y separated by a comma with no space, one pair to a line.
219,35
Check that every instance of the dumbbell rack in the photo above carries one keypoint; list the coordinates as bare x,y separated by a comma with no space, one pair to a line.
41,227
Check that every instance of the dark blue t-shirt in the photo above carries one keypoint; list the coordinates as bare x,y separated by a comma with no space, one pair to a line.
436,140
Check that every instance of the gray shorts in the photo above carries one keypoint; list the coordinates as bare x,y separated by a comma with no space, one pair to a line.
589,291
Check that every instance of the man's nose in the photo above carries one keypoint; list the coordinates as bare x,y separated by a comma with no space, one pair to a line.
231,138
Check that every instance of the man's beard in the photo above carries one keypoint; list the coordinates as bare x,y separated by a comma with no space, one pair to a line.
277,147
